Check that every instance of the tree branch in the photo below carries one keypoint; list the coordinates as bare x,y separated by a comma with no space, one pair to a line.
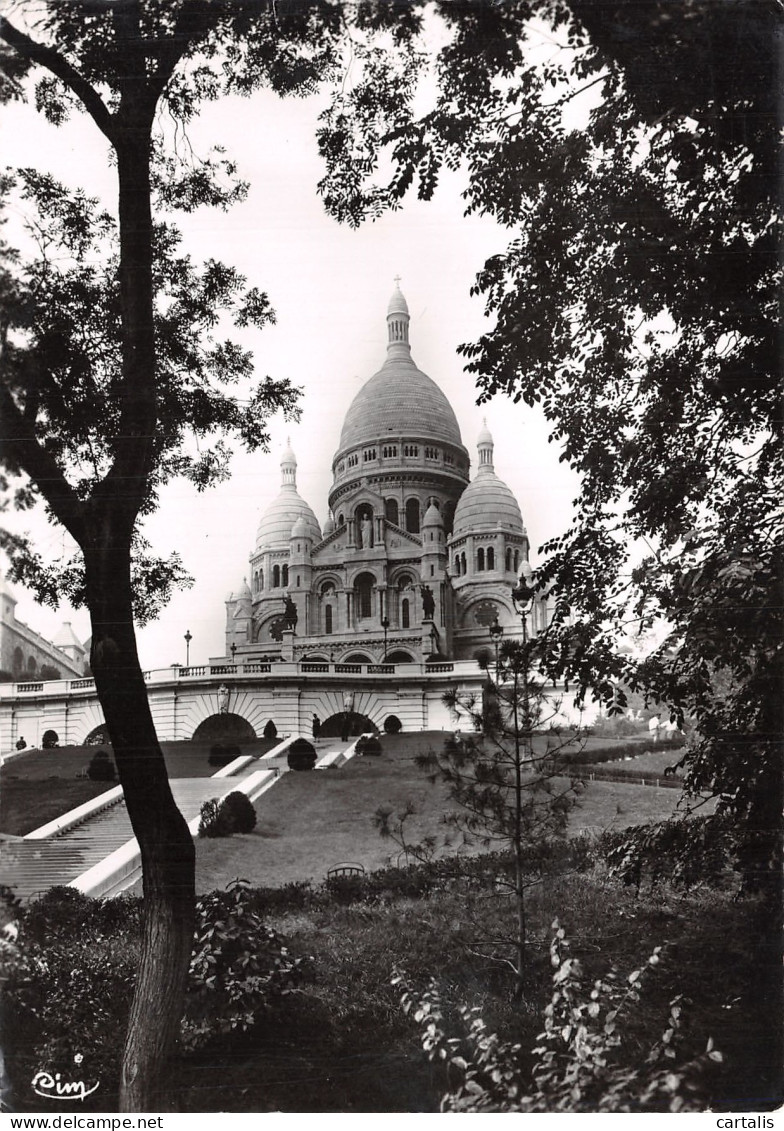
60,67
41,467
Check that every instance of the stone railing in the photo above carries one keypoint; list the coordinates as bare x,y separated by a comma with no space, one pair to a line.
231,672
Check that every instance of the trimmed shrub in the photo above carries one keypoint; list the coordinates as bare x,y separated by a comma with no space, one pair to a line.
270,730
50,740
221,755
392,724
238,812
49,671
101,767
234,814
301,755
369,745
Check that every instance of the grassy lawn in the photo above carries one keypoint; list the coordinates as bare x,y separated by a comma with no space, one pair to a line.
308,822
43,784
26,804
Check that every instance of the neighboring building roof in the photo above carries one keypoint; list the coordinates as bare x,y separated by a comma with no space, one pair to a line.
67,638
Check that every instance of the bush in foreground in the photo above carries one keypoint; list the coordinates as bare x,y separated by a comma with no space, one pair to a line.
239,966
584,1060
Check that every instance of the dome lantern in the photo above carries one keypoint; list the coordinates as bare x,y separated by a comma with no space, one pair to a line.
398,320
288,467
484,446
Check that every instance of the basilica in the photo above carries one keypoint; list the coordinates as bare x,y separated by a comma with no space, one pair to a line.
416,560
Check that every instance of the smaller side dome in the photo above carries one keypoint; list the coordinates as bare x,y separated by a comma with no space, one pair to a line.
432,517
487,503
329,526
300,528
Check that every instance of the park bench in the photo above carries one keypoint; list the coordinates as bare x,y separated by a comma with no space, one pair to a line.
345,869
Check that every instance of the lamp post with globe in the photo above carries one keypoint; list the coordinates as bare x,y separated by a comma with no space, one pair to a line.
496,632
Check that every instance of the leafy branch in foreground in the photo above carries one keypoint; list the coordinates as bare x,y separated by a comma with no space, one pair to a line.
586,1059
635,302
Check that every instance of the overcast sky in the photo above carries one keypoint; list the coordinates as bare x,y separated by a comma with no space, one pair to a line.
329,286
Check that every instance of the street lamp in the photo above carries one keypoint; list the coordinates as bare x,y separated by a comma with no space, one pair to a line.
496,632
188,639
521,596
385,626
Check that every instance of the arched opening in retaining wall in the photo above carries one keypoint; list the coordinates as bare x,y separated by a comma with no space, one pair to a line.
98,736
346,724
218,728
399,657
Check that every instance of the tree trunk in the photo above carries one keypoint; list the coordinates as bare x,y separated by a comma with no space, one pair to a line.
166,845
518,842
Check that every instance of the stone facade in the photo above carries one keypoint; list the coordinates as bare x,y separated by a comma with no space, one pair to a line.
415,561
24,654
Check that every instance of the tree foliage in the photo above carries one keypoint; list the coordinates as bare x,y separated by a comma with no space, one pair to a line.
587,1058
630,150
114,367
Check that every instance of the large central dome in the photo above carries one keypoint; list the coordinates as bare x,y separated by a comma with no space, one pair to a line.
399,400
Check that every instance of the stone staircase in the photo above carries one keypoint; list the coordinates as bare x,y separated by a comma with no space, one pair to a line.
30,867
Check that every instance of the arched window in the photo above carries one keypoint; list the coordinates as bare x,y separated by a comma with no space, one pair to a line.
490,557
328,620
341,520
457,565
480,559
285,576
509,558
261,579
405,613
412,516
18,660
517,560
276,577
391,511
363,595
464,564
